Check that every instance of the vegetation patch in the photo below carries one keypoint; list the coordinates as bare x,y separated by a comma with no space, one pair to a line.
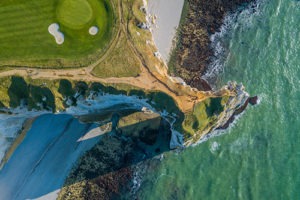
121,61
203,115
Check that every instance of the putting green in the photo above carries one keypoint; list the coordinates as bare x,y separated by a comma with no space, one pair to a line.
74,14
25,40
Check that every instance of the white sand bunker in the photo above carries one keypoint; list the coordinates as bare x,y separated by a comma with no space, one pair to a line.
54,30
93,30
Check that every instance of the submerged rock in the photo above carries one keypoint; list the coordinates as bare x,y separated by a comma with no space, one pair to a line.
253,100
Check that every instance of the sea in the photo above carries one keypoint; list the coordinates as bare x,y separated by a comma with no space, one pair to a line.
258,157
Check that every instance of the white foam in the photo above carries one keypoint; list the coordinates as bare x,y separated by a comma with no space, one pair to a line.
54,30
240,19
214,146
220,132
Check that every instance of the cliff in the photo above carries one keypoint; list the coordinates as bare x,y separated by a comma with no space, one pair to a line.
194,52
222,116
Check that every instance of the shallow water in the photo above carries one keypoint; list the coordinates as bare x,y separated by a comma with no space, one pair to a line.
259,157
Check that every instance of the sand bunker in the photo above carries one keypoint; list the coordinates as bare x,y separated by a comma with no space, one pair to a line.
93,30
54,30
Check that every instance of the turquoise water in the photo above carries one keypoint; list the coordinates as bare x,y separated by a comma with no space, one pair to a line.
259,157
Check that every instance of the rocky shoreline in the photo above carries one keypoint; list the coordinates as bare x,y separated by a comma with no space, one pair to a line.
109,169
194,52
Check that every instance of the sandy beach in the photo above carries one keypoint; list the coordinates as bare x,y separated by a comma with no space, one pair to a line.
168,14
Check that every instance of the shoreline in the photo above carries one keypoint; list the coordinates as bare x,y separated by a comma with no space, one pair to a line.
203,84
20,139
165,19
194,52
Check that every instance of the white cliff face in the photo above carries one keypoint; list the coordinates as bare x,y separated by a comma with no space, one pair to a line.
43,160
11,125
234,104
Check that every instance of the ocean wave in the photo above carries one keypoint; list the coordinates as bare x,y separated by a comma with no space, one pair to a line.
243,18
214,147
219,132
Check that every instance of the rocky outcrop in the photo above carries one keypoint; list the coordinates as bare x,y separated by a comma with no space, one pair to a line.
106,171
234,106
141,125
253,100
98,174
194,52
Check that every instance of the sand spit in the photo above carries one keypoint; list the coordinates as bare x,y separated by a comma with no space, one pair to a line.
54,30
93,30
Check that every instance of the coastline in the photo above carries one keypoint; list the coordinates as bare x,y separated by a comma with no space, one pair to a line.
194,52
202,83
24,136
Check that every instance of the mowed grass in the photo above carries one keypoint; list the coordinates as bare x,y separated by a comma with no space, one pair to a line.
25,40
74,14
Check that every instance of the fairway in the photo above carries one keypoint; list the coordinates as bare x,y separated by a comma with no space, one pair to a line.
25,40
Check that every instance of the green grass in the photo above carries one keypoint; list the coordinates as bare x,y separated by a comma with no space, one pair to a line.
25,40
74,14
203,115
52,94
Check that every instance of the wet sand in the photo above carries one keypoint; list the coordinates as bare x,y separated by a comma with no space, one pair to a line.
168,15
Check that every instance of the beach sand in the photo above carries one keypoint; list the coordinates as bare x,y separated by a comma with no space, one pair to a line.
168,15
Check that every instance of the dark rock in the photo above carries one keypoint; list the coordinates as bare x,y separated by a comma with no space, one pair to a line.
148,136
205,85
242,108
237,112
253,100
194,52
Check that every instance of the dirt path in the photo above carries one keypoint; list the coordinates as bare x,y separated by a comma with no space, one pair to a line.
184,96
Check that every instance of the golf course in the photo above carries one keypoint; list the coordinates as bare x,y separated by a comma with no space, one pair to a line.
54,33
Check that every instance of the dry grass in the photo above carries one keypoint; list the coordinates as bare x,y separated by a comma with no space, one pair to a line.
121,62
